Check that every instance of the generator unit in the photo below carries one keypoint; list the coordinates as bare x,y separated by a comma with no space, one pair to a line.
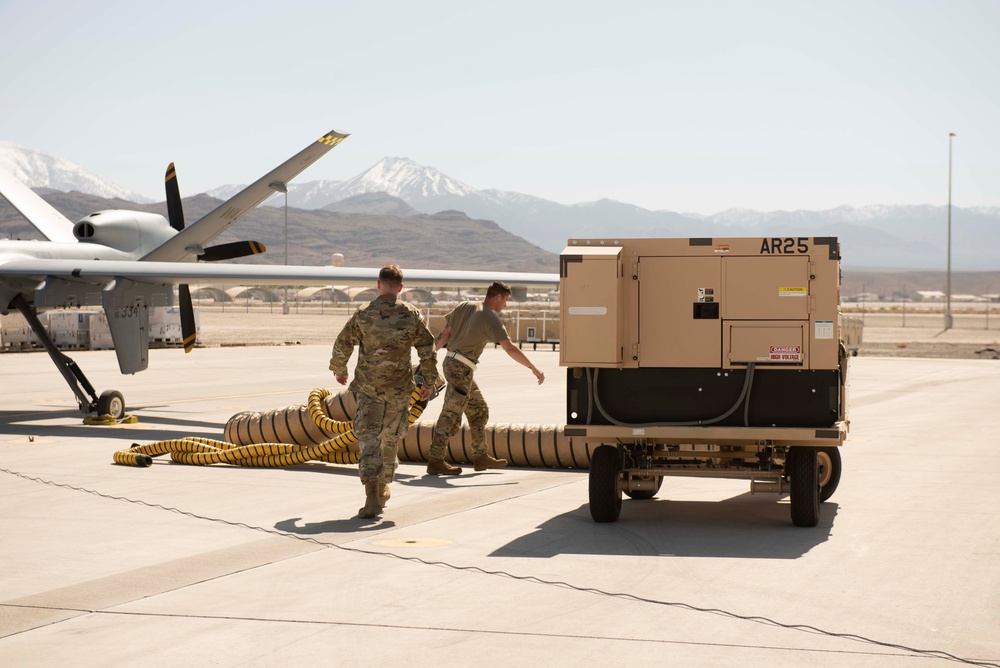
705,357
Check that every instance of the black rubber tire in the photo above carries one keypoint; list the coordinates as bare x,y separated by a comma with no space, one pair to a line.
803,470
605,494
644,494
829,471
111,402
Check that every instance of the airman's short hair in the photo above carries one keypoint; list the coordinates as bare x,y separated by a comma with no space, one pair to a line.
391,276
497,288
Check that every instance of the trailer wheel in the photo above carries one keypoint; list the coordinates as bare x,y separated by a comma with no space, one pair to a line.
642,494
803,470
605,493
829,471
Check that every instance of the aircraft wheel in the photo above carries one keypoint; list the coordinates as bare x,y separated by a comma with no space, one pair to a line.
829,471
642,494
802,466
111,402
605,493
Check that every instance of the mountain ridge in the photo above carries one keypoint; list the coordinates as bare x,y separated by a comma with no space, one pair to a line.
885,236
889,236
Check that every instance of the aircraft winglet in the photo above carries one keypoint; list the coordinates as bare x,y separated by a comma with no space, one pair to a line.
216,222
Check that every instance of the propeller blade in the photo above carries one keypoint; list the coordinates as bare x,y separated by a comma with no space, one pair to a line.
188,330
232,250
175,212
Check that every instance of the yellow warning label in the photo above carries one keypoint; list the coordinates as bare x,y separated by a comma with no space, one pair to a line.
792,292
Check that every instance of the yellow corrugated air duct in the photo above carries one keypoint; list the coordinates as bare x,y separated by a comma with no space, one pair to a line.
522,445
205,451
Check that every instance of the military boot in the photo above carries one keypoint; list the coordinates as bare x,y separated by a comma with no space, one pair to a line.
437,466
484,461
372,507
383,493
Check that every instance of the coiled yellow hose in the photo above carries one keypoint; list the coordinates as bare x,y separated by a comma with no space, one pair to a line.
205,451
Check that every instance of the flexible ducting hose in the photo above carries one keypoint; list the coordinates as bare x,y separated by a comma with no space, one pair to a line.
294,424
544,446
205,451
321,430
536,446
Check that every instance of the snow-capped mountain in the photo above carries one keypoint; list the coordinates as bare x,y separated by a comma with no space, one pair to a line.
399,177
405,179
38,169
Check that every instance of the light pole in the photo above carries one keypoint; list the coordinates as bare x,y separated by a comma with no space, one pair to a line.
283,188
903,295
947,284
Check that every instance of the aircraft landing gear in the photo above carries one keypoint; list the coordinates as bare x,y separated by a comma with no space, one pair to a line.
111,402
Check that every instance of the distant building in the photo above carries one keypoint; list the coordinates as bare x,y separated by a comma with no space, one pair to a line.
327,293
209,292
864,297
252,292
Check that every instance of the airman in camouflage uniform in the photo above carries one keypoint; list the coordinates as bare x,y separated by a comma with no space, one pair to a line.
384,331
469,327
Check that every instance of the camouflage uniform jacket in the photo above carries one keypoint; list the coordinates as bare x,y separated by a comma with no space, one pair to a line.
385,331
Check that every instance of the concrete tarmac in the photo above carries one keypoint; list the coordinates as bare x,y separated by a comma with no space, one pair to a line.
105,565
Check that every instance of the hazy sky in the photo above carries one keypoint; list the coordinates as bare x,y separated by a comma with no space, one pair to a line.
686,106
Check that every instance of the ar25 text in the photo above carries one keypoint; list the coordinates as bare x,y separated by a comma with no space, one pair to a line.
784,246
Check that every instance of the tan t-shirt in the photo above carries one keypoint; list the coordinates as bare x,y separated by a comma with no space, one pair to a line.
472,327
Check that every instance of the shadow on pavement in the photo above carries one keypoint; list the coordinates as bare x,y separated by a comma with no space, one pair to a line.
351,525
745,527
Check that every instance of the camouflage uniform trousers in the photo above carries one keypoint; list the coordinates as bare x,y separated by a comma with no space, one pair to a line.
461,396
379,422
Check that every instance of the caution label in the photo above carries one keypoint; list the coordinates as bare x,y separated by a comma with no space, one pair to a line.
792,292
786,354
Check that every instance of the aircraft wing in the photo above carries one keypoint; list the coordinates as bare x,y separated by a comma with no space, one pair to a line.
52,224
103,271
216,222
